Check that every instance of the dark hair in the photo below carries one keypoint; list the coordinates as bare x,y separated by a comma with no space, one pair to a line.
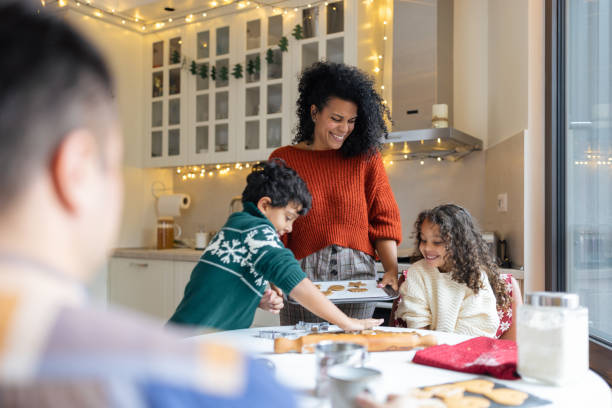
281,183
53,82
467,253
325,80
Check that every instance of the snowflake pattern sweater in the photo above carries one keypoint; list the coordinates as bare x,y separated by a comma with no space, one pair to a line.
228,282
430,298
352,201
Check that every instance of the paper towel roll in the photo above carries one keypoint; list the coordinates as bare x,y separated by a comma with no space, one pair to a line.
170,205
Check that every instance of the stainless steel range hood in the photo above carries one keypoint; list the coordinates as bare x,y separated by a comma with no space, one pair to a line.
444,143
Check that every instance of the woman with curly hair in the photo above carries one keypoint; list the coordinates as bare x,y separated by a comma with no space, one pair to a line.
456,286
354,216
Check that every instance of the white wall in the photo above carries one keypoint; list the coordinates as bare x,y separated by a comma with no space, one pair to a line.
470,73
124,50
507,79
490,73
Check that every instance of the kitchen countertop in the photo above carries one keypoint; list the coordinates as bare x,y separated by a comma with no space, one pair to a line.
193,255
174,254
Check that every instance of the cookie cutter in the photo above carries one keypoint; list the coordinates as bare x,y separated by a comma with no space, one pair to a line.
312,327
272,334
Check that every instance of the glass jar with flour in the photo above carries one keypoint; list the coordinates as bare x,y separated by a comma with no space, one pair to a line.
552,338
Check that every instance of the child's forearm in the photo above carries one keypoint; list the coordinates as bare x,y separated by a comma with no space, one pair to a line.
309,296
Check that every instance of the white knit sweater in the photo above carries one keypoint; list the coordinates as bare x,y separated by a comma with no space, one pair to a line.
431,298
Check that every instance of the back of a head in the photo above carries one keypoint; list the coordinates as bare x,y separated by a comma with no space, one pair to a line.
280,183
53,82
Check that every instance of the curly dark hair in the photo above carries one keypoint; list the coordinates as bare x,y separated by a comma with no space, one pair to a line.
324,80
281,183
466,251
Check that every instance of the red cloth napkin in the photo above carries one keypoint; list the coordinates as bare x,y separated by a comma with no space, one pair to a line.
480,355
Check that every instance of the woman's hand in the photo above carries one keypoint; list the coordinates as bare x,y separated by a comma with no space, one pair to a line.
389,278
360,324
271,302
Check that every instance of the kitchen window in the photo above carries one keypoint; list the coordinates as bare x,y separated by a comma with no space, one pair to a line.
579,163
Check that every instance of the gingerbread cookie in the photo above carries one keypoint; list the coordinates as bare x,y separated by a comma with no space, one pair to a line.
506,396
476,386
357,289
318,285
357,284
336,288
446,391
467,402
327,292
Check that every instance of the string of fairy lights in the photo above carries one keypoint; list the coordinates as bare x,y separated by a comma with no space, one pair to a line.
203,171
213,9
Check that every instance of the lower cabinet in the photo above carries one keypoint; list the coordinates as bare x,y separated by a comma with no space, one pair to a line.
152,287
156,287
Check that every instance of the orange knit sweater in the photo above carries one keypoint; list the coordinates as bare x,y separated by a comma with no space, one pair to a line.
352,201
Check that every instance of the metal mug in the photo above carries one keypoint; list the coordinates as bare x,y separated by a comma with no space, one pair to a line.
346,382
330,353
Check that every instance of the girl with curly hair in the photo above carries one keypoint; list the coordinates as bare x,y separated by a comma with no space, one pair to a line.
354,216
455,287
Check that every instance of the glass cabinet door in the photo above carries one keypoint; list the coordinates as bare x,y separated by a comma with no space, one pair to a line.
166,95
253,34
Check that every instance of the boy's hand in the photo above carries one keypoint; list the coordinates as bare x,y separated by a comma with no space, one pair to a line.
276,289
271,302
389,278
361,324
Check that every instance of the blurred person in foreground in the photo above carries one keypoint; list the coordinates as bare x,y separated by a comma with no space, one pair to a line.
60,195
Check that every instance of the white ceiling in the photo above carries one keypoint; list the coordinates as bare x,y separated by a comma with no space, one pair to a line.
151,10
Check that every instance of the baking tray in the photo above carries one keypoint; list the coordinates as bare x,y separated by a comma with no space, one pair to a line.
531,401
373,294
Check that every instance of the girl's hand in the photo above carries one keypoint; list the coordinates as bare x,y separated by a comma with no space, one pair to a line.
361,324
271,302
389,278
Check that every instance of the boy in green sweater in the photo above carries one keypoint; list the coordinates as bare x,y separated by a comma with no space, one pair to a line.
229,282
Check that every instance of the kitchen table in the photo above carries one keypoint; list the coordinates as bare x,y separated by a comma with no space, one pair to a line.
298,371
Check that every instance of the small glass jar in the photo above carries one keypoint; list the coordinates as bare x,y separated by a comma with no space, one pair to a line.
552,338
165,232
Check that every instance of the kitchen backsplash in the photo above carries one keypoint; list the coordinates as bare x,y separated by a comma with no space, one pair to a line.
416,187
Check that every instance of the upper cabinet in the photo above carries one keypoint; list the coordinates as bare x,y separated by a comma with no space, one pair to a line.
223,90
165,109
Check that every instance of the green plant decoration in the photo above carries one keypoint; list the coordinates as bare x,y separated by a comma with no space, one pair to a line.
283,44
213,73
203,71
250,67
270,56
237,71
176,57
193,68
224,73
298,33
257,63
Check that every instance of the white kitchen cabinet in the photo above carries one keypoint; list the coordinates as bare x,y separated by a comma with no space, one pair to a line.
156,287
182,273
238,119
143,285
166,105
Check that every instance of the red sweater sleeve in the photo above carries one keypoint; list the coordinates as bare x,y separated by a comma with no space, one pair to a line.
383,212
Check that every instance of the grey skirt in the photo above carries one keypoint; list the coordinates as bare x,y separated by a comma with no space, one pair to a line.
329,264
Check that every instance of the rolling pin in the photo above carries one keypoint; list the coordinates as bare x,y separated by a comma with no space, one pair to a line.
373,340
